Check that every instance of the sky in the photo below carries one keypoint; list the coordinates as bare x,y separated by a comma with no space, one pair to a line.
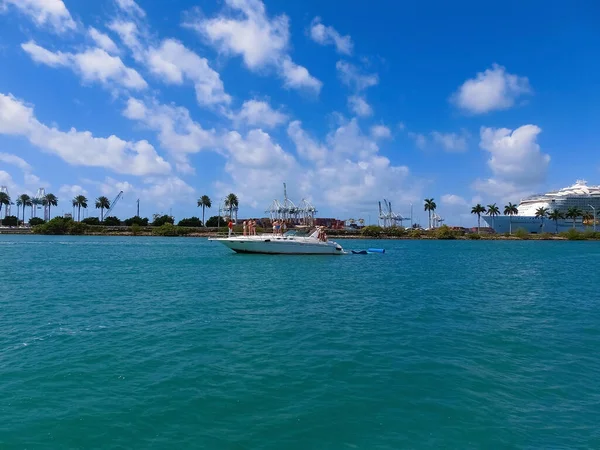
463,102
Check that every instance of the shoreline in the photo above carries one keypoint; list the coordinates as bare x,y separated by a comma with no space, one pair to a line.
192,233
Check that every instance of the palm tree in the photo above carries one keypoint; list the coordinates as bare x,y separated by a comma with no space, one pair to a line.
102,203
556,215
24,200
541,212
573,213
80,202
49,200
510,210
479,210
231,202
493,211
34,203
205,202
4,201
430,207
587,218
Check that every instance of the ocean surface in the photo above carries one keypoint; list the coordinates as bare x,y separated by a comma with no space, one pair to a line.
161,343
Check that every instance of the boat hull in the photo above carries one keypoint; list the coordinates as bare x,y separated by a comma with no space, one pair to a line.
502,224
274,246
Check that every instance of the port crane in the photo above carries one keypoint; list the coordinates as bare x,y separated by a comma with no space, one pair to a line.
388,218
113,204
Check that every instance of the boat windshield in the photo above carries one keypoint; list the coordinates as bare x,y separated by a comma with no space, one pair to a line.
300,232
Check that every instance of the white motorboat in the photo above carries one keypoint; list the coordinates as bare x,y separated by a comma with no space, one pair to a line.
294,242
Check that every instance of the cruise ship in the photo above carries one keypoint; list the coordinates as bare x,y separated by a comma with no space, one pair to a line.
585,198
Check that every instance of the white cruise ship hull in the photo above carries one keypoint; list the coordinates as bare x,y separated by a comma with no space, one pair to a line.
278,245
532,224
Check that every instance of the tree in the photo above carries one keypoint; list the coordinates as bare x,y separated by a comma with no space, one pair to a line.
430,207
136,220
493,211
112,221
541,212
510,210
102,203
214,221
91,221
479,210
33,221
49,200
11,221
573,213
80,202
231,202
161,220
24,200
191,222
556,215
204,202
4,201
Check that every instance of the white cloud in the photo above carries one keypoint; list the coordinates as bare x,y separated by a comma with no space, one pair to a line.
15,161
351,76
359,106
177,132
380,132
451,142
71,190
325,35
306,147
131,7
453,200
103,41
173,62
259,113
79,148
262,42
516,161
494,89
51,13
93,65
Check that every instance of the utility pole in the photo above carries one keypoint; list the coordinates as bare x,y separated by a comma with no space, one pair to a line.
138,207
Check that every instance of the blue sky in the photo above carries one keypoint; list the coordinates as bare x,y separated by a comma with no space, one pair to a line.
464,102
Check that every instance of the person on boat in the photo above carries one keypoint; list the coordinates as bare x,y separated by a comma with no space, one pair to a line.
276,227
245,226
253,222
230,226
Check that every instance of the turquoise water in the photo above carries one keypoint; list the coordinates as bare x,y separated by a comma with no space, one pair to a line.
109,342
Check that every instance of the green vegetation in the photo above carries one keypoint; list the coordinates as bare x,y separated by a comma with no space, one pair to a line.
479,210
136,220
430,207
36,221
112,221
522,233
49,201
493,211
573,213
102,203
193,222
204,202
161,220
372,231
135,229
510,210
542,213
91,221
214,222
444,232
4,201
473,236
61,225
231,202
79,202
10,221
24,200
556,215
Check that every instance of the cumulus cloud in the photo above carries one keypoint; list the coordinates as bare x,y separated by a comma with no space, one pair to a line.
516,161
51,13
15,161
450,142
262,41
92,65
380,132
103,41
326,35
494,89
359,106
79,148
173,63
259,113
131,7
453,200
